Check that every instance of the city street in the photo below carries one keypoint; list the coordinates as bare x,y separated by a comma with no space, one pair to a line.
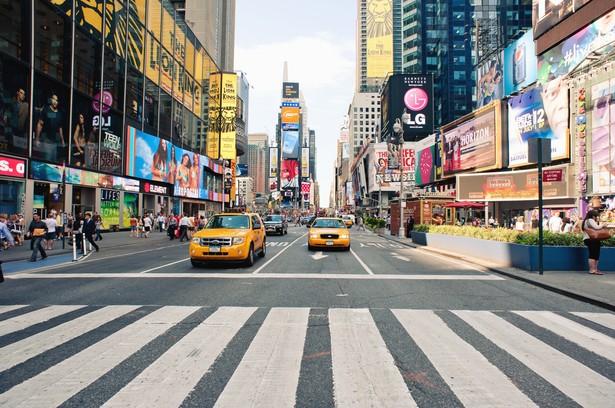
381,325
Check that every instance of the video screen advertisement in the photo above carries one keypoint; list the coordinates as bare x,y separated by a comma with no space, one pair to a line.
291,140
603,137
289,174
473,142
425,167
387,179
151,158
548,13
411,94
520,64
538,113
490,81
221,135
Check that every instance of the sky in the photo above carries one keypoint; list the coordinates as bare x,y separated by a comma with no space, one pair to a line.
317,40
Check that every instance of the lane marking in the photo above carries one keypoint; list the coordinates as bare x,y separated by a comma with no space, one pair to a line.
278,254
163,266
361,262
205,275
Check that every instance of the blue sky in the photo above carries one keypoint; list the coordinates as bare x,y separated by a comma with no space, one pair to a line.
317,39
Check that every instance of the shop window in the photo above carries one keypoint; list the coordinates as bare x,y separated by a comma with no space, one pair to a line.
113,81
134,94
166,113
15,29
116,29
52,43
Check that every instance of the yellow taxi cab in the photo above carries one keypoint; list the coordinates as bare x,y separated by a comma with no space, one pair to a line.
229,237
328,232
348,220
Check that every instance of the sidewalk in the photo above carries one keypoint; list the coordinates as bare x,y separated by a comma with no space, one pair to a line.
15,259
580,285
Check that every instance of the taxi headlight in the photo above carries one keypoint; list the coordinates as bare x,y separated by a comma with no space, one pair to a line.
313,235
238,240
344,236
196,240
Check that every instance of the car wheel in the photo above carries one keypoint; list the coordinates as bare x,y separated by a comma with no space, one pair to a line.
263,251
196,264
250,258
347,248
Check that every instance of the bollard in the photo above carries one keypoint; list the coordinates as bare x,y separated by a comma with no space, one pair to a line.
74,247
85,251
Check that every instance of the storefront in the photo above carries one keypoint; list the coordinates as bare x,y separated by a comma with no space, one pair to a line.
12,185
156,197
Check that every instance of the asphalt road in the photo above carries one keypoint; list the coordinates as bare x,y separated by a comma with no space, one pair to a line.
382,324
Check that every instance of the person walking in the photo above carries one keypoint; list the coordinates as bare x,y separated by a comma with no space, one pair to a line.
51,234
4,230
360,225
591,221
133,226
184,223
37,231
172,226
147,226
161,221
78,230
89,228
99,224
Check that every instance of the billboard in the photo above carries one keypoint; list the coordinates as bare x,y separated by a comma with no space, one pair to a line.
512,186
425,153
290,90
410,94
603,137
12,167
596,39
520,64
289,174
386,179
305,162
538,113
241,170
290,144
290,114
53,172
273,162
547,13
489,83
379,33
472,142
221,136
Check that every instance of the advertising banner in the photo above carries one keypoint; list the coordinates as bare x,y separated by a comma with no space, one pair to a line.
273,162
386,179
305,162
547,13
603,137
131,207
520,64
410,94
290,144
511,186
241,170
53,172
536,114
214,115
490,84
110,207
290,115
228,106
12,167
597,39
149,157
425,154
188,179
290,90
471,144
379,38
289,174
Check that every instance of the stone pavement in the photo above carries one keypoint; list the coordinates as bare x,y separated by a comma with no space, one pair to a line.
595,289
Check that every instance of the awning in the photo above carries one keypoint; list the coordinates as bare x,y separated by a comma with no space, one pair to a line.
465,204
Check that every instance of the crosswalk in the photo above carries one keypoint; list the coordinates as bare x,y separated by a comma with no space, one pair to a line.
174,356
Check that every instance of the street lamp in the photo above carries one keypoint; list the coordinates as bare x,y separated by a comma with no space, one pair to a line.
398,128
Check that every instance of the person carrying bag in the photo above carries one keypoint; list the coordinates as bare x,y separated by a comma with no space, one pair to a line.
593,233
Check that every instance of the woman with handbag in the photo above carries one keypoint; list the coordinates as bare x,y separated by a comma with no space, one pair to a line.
591,222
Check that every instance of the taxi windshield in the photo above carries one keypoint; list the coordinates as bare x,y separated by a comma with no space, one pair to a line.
327,223
274,218
228,221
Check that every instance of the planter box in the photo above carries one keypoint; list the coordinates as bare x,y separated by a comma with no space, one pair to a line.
554,258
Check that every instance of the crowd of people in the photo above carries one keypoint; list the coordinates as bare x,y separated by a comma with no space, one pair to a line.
176,226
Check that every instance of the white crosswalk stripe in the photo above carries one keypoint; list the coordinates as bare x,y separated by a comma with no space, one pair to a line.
364,354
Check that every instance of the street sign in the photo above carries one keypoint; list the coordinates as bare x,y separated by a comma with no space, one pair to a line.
550,176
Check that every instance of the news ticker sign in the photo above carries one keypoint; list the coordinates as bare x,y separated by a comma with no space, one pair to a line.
12,167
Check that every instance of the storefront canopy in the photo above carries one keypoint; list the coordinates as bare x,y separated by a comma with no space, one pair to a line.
465,204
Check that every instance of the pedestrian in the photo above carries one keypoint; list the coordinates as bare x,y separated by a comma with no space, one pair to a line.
161,221
5,233
37,231
555,223
89,227
297,220
133,226
184,224
520,224
591,221
410,226
99,224
360,225
147,226
78,230
51,234
172,226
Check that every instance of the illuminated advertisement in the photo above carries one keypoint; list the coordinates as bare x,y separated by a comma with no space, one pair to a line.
289,174
214,114
290,90
12,167
490,83
603,137
547,13
53,172
379,27
221,136
131,207
597,39
241,170
511,186
110,207
538,114
472,142
290,144
520,64
425,154
273,162
386,179
290,114
305,162
411,95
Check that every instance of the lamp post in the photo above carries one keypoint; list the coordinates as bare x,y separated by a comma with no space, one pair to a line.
398,128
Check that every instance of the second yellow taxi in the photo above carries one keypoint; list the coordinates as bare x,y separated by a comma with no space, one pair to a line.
328,232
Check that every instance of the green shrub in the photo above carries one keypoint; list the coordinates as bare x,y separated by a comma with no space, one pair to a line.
509,235
382,223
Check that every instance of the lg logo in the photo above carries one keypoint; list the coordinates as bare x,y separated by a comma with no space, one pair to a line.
416,99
